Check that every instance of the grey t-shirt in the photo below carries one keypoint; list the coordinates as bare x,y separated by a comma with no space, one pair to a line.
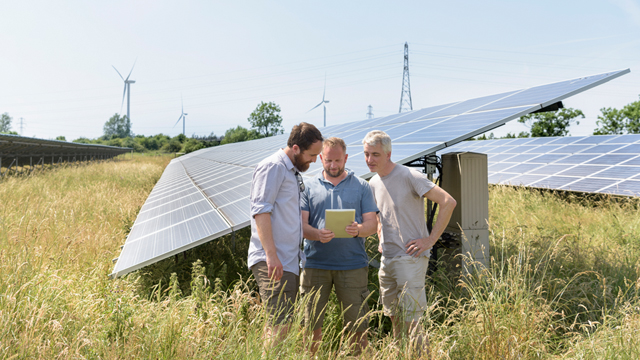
399,196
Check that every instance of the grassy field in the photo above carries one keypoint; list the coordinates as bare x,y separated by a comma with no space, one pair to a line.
563,284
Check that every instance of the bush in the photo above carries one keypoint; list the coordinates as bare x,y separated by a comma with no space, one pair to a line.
193,145
172,146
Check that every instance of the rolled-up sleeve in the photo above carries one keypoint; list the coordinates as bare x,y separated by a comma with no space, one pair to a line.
264,187
368,202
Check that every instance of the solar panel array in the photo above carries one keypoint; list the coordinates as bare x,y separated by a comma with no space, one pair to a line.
223,174
20,150
596,164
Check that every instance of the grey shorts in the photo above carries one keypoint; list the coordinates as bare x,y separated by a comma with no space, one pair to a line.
351,291
278,297
402,286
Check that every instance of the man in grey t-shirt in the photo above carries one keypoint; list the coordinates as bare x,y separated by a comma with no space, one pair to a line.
405,241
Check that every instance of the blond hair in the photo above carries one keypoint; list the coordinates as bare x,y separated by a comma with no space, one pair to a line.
333,142
376,137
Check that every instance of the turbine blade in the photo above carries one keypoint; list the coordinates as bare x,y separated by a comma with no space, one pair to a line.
134,64
123,94
316,106
325,86
180,118
114,68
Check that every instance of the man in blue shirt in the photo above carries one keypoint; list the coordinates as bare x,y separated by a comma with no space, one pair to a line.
337,262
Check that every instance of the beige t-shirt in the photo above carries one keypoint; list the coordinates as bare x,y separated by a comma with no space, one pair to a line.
399,198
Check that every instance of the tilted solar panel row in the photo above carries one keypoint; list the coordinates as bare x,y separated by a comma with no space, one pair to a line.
223,174
597,164
18,150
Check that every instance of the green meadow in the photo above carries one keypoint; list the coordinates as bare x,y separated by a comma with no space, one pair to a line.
564,281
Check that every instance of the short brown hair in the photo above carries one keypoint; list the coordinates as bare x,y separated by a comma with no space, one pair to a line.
304,135
333,142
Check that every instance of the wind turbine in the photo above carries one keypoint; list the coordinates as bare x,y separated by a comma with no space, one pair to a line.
127,88
182,117
323,102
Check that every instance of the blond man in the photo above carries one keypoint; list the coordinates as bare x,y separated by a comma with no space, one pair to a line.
338,263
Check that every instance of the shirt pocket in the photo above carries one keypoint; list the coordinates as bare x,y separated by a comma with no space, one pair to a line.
350,199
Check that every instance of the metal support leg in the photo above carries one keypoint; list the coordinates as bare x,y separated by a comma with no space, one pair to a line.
6,172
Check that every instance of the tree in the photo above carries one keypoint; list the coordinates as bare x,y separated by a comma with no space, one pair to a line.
485,137
181,138
239,134
266,119
613,121
5,123
193,145
61,138
172,146
632,113
117,126
551,123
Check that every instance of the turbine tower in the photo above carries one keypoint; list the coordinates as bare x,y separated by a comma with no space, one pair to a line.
182,117
127,89
323,102
405,97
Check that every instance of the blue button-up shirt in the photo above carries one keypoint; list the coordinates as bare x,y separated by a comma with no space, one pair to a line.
275,190
320,194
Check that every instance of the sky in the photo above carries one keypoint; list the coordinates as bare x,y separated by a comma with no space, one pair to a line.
220,59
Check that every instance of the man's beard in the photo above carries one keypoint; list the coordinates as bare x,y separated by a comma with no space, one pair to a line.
340,171
299,164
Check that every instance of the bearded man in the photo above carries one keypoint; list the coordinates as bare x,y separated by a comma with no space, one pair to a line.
276,226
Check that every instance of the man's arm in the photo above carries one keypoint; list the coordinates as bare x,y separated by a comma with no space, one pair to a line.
379,232
311,233
447,204
263,225
368,227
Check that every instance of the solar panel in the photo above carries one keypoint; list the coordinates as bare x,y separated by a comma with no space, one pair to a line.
597,164
178,219
18,150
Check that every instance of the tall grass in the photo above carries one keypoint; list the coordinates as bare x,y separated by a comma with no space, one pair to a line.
563,281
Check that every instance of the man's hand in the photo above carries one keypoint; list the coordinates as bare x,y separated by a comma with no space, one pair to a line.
324,235
352,229
275,268
416,247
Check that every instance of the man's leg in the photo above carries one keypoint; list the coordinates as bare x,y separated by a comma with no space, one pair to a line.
410,277
389,293
352,292
278,298
316,284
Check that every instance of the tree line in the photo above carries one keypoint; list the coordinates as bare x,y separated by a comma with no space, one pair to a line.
264,121
611,121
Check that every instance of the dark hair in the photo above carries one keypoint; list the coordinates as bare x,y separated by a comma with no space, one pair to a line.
304,135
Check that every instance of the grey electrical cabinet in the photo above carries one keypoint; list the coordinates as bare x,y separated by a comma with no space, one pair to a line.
464,176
